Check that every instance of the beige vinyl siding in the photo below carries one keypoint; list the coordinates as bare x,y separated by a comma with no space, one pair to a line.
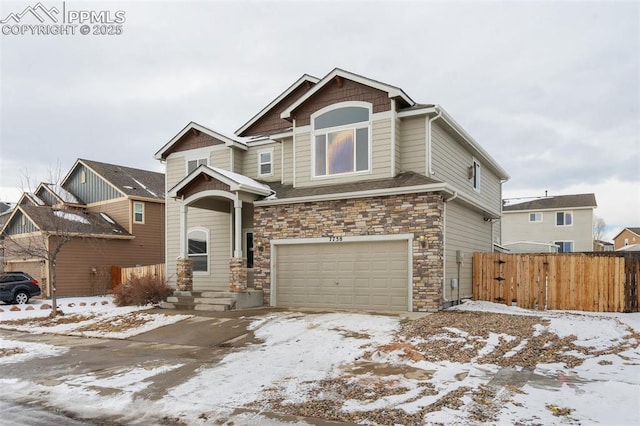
175,172
238,160
250,162
220,158
287,146
516,227
413,145
465,230
397,152
380,155
451,161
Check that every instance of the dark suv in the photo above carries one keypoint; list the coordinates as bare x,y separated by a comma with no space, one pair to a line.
18,287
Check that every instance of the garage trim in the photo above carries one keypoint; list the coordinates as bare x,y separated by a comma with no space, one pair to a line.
275,243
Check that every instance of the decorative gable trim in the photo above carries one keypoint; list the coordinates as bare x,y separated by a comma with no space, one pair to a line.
305,79
228,142
232,182
339,74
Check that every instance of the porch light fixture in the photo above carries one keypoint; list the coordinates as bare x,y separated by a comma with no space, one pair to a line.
422,240
260,246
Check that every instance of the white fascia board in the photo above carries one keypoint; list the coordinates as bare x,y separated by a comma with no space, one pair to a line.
223,176
193,125
433,187
287,92
391,90
415,112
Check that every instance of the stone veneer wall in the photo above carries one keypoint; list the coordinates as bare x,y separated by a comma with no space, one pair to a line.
419,214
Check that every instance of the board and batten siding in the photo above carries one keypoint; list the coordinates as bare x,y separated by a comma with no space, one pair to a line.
413,154
451,162
94,189
380,156
465,230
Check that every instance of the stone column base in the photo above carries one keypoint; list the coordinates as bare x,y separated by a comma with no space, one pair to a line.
237,275
184,272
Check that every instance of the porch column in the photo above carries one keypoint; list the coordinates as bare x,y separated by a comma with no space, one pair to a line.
237,206
184,243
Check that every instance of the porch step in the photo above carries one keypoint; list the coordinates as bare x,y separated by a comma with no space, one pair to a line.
212,300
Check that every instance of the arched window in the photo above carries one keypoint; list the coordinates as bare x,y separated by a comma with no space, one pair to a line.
199,249
341,139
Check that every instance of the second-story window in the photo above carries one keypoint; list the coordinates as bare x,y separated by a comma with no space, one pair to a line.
265,163
138,212
535,217
564,219
193,164
341,141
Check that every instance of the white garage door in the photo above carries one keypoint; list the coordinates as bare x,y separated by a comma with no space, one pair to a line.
345,275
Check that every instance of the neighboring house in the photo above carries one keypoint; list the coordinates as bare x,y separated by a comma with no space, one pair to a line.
628,236
114,214
599,245
536,226
341,193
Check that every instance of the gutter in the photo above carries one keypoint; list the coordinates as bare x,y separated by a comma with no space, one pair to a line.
443,188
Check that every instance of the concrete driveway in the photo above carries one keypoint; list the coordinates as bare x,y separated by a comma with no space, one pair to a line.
194,343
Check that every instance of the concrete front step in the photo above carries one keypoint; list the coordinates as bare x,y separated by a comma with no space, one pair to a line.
213,300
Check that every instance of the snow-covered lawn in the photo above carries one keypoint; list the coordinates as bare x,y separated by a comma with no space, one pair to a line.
478,363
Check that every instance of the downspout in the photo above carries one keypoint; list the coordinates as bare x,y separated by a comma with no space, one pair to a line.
444,246
429,167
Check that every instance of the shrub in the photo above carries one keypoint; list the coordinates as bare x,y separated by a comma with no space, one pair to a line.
142,291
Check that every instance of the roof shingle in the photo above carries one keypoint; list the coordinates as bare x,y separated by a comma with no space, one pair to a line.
557,202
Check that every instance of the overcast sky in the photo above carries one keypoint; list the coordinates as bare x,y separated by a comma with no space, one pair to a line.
550,89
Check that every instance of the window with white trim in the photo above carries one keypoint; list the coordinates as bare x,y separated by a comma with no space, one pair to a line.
342,141
194,164
535,217
265,162
564,218
475,175
564,246
198,249
138,212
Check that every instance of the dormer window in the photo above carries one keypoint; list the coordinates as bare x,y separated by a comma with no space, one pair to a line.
342,140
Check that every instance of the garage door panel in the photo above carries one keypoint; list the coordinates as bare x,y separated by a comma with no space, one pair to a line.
369,275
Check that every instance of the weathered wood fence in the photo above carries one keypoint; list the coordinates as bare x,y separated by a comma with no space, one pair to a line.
121,275
600,282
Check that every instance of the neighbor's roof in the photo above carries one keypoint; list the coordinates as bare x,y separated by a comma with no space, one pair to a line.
557,202
635,230
631,247
73,221
131,182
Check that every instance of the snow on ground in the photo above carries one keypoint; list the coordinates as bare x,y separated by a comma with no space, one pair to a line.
83,316
362,368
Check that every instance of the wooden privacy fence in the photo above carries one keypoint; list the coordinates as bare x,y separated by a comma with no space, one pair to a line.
121,275
600,282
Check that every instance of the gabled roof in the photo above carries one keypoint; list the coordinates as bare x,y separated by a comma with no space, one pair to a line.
128,180
393,91
230,142
235,181
635,230
557,202
58,192
74,222
305,79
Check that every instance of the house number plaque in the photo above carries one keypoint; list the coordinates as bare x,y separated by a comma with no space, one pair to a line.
334,239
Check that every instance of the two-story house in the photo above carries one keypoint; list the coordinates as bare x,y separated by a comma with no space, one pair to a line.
341,193
562,224
629,236
112,215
